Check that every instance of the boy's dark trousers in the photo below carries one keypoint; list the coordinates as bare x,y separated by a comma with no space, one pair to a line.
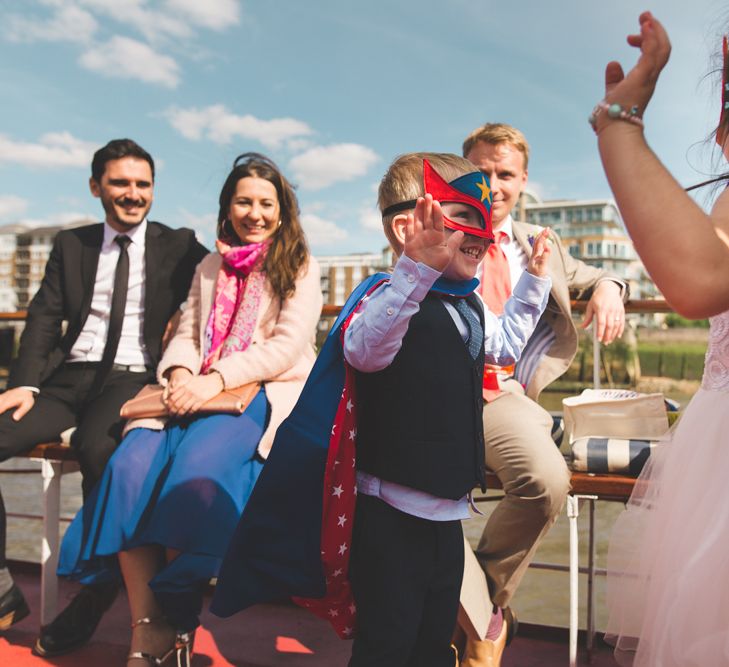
406,578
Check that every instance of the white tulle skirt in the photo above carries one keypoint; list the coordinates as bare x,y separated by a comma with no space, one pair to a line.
668,561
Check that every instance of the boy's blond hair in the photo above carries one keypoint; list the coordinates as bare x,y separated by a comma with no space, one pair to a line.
498,133
403,181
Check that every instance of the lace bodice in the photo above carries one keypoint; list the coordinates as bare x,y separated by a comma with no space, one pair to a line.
716,364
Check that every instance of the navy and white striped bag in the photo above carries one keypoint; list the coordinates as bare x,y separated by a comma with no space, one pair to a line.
611,455
613,430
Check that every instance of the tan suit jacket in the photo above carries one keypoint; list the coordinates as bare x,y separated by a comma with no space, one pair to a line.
281,352
568,275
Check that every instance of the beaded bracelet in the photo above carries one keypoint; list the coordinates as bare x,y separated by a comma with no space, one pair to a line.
616,112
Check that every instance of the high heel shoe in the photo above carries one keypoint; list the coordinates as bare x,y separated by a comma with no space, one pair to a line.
183,648
153,659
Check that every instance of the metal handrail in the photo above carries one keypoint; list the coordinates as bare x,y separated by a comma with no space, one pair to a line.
332,310
578,306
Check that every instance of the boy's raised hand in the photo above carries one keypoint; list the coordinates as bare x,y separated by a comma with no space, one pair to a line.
540,254
426,240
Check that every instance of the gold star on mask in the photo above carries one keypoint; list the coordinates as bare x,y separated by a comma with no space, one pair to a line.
485,190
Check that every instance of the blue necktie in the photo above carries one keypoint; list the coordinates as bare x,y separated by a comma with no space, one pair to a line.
475,339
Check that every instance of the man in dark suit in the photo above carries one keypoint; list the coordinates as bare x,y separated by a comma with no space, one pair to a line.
115,285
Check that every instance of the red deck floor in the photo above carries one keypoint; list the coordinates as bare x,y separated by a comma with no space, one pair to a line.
268,635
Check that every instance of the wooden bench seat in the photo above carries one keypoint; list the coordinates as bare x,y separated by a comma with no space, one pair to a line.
51,451
606,487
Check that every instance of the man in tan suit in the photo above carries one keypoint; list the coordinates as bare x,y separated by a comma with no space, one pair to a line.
519,447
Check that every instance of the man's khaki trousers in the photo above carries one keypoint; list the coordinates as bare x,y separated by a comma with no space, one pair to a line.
532,470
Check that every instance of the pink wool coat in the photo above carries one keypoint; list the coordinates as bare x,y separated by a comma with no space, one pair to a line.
281,352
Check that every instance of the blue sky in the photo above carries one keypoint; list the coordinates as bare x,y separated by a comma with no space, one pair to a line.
332,90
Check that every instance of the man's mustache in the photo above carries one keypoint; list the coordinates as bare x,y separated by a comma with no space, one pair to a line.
126,201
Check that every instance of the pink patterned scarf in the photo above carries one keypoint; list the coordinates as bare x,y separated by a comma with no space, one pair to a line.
237,297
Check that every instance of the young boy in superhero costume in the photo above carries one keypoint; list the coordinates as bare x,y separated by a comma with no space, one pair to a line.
408,398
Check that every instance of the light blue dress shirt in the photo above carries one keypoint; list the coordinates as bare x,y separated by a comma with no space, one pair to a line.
375,335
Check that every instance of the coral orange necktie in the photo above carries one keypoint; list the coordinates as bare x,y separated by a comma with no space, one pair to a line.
495,289
495,276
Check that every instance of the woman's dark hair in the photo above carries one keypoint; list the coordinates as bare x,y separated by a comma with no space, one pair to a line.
116,149
722,129
721,71
288,251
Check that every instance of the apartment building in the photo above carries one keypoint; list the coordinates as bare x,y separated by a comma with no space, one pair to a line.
592,230
340,274
24,251
8,245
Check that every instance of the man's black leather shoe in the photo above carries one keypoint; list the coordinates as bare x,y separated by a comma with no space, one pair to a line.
75,625
13,608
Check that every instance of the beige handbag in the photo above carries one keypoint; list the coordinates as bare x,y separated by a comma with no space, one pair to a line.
615,413
148,402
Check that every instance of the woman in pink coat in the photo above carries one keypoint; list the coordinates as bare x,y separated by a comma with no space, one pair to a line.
173,492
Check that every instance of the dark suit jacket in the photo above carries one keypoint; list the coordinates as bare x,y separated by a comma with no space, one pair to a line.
171,256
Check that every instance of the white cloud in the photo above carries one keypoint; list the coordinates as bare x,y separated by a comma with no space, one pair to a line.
213,14
537,189
316,206
204,224
298,145
74,20
59,219
221,126
70,23
12,206
55,149
370,218
321,166
127,58
151,23
320,231
159,23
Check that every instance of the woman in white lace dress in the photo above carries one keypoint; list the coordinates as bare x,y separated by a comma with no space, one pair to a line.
668,563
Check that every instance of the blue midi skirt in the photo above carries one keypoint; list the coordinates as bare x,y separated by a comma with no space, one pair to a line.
183,487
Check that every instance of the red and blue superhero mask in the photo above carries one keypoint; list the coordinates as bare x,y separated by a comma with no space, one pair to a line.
465,201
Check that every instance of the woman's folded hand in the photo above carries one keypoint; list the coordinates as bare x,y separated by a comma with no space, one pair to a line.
188,397
177,377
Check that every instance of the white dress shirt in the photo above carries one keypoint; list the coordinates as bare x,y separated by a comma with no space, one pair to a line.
89,345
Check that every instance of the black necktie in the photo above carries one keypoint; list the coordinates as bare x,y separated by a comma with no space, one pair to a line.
475,339
116,315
